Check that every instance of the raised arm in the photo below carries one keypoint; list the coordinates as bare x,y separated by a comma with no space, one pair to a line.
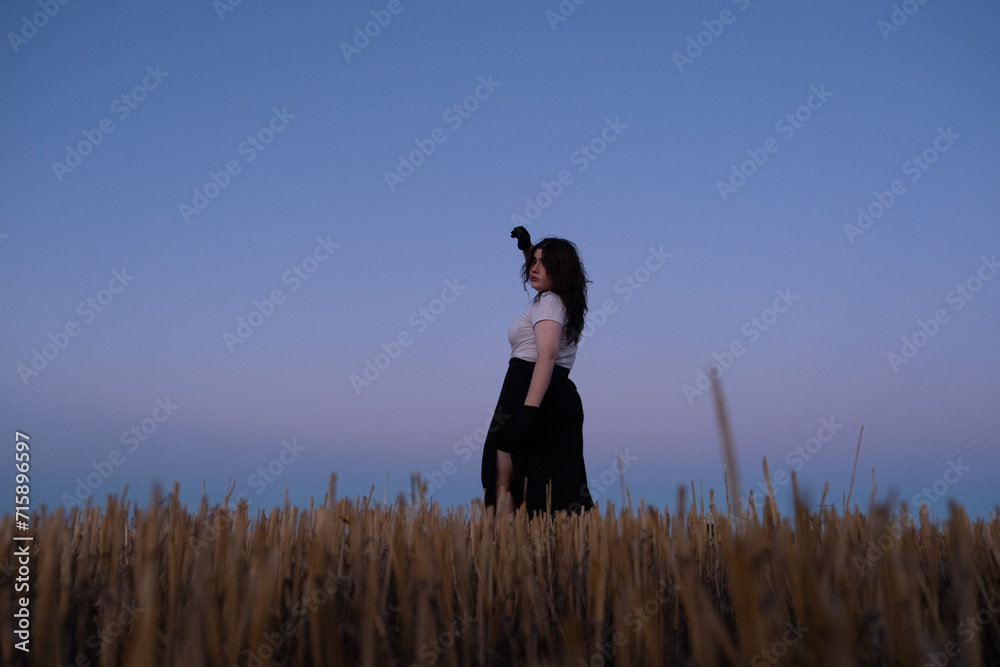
523,241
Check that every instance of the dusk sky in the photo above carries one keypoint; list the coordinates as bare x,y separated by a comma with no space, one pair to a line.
260,243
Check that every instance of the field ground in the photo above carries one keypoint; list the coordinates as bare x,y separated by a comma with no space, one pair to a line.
352,582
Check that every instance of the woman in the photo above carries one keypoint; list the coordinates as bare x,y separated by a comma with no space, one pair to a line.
533,453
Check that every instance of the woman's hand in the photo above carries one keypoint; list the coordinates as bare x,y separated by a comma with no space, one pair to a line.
523,238
526,427
523,242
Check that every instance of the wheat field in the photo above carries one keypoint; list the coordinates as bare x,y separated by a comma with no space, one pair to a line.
353,582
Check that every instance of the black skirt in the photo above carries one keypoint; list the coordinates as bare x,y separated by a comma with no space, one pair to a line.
555,458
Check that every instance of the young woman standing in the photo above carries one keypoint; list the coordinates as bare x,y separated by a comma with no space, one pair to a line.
533,453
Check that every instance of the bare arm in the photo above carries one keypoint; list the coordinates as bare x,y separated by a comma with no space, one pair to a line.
547,334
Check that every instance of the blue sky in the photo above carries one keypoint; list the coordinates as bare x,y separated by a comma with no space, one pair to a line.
274,176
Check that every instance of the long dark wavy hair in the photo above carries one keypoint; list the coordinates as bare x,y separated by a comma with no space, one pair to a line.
569,280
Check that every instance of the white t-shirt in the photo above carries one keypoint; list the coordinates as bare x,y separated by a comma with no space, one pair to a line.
522,334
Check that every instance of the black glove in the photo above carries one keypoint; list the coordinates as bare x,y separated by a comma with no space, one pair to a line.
523,238
526,427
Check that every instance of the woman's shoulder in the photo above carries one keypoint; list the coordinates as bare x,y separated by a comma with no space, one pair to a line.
549,302
549,297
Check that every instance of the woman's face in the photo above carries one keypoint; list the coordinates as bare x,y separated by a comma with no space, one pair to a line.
539,279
